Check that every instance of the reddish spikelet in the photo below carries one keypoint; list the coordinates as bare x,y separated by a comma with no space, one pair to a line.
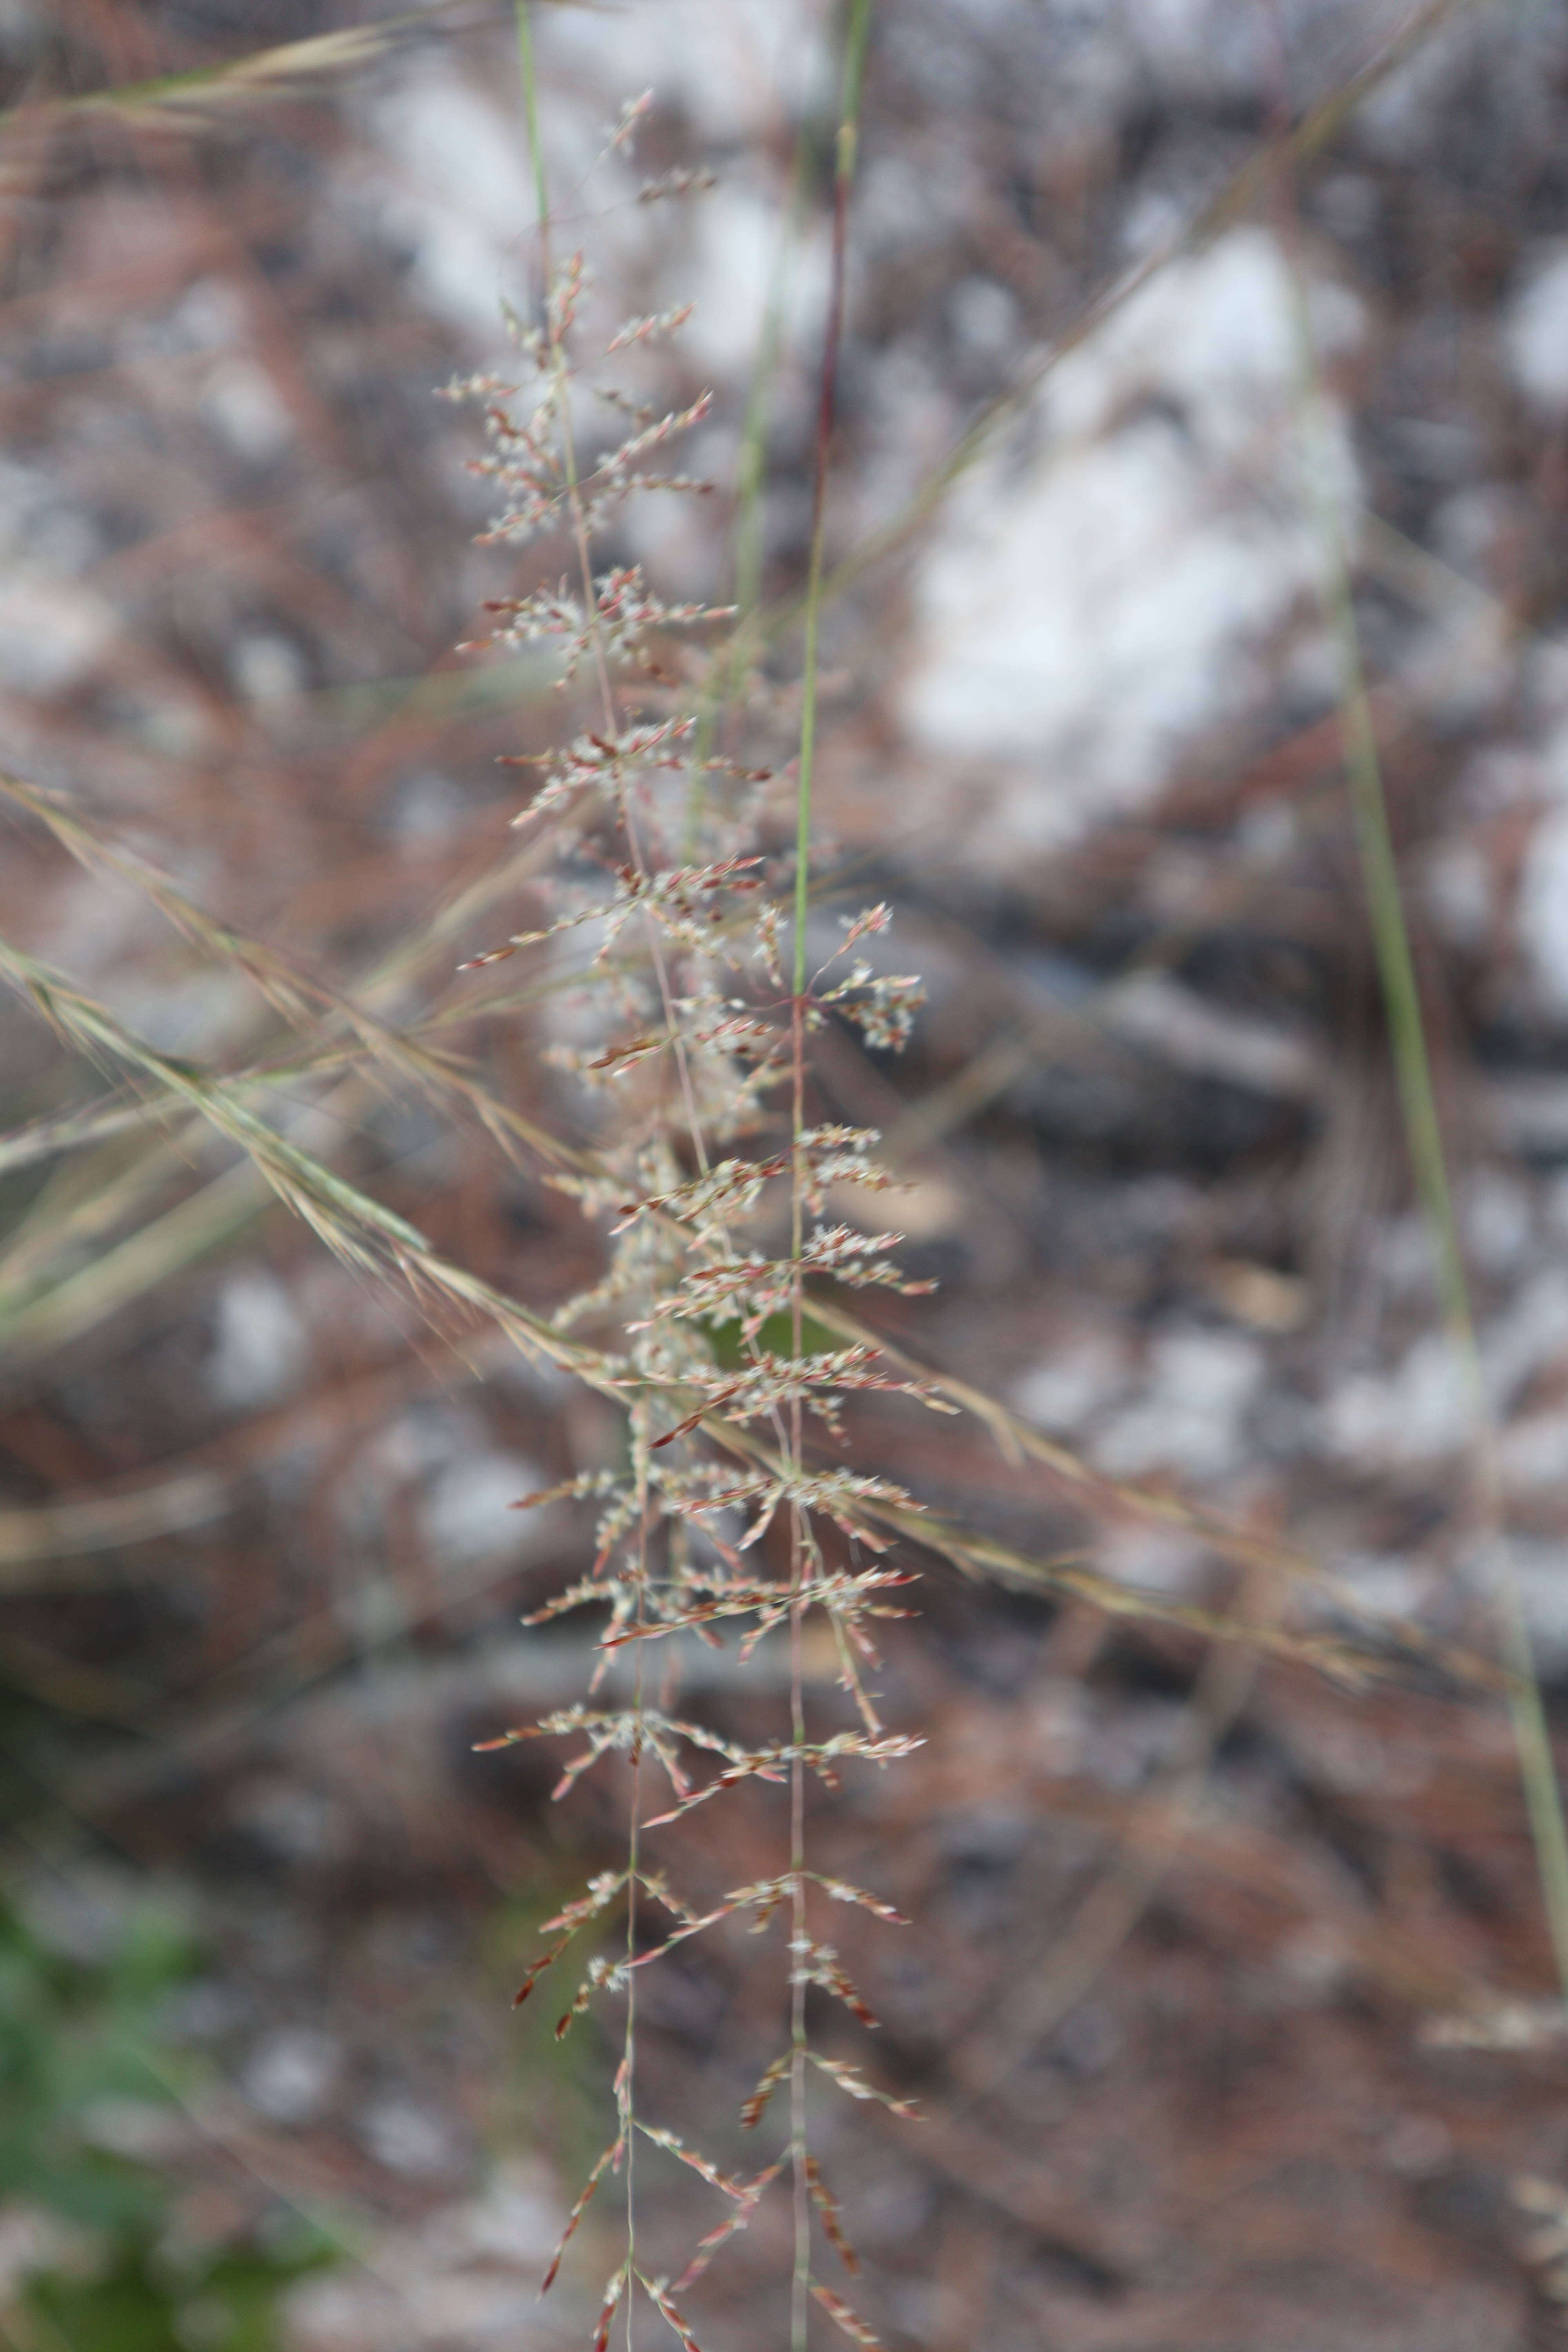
851,2081
612,2154
854,2327
613,2293
750,2198
751,2113
827,2204
545,1960
658,2295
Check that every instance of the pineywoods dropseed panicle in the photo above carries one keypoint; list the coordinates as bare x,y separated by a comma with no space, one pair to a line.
694,1037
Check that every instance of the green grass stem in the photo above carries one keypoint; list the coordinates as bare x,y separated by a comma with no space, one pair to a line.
854,46
1424,1136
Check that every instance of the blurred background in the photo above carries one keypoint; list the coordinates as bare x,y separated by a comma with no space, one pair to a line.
1227,1998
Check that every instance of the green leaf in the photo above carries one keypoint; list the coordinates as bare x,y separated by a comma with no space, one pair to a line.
777,1337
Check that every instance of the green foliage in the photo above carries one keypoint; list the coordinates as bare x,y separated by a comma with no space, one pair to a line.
777,1337
72,2036
76,2036
547,2093
144,2301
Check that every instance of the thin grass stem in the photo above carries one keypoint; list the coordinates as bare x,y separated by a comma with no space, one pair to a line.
856,39
1419,1111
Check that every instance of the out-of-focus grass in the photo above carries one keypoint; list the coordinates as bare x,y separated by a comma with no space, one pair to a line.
79,2038
1411,1055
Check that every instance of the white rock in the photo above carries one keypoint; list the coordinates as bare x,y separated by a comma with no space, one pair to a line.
1419,1410
269,670
52,633
477,2246
738,258
1456,880
517,2220
901,206
1498,1220
1535,1452
242,404
1063,1389
1535,332
463,195
1182,1027
33,2240
1216,332
1156,1559
292,2074
402,2304
1470,525
405,2138
147,2131
1539,1574
261,1347
984,315
1400,115
735,67
1087,617
427,807
1199,1384
1387,1582
1200,46
1528,1334
467,1508
28,496
207,316
1543,908
296,1821
85,1917
327,2312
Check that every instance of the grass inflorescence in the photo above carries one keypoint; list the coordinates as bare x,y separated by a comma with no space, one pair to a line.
671,839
